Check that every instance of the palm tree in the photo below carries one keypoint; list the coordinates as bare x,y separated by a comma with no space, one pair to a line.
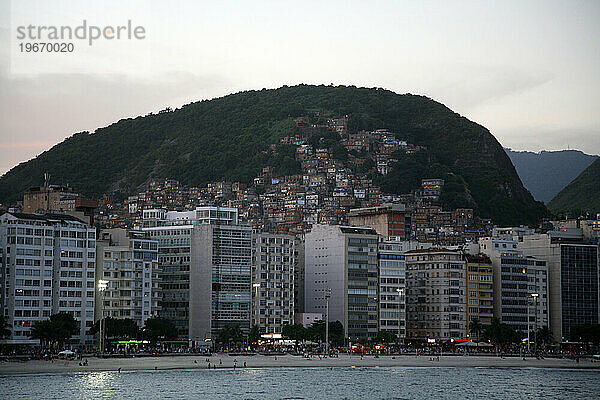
254,335
544,335
476,327
5,330
59,328
230,334
4,327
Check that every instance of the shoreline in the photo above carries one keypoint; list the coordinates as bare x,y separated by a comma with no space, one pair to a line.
226,362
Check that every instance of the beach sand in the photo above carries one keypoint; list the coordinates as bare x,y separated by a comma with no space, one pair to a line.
284,361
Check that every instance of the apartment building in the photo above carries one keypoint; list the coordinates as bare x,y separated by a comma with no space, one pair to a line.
128,261
48,267
341,264
436,295
205,257
174,239
480,290
299,276
392,288
59,200
388,220
516,278
220,278
274,263
573,273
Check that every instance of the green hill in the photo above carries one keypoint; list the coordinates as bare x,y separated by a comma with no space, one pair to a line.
582,195
229,137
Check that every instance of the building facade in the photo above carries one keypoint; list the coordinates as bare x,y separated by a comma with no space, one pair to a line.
537,274
388,220
516,278
58,199
573,274
341,262
392,288
220,279
49,268
299,276
205,257
174,259
436,295
128,261
480,290
274,265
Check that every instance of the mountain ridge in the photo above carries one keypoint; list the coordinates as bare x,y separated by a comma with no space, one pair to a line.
546,173
230,138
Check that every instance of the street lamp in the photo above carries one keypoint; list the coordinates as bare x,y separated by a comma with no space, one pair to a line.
256,301
102,285
528,326
400,293
535,297
327,296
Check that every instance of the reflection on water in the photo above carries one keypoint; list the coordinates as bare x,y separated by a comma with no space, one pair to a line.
310,383
95,381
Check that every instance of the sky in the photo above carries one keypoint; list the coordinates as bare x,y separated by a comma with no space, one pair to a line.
526,70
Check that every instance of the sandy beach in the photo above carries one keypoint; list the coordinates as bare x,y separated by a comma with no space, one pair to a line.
285,361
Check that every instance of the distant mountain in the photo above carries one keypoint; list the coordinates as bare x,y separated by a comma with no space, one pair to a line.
233,137
582,195
548,172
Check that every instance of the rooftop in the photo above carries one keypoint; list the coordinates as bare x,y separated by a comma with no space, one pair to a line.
432,250
48,217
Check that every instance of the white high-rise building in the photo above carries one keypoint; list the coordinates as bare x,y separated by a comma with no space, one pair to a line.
392,285
48,267
341,262
516,277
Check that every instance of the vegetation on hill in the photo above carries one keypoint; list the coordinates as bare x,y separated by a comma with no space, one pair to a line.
582,195
229,138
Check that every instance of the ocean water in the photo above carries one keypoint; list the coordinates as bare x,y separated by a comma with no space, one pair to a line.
310,383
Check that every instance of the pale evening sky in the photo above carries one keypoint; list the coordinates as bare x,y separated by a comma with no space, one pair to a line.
527,70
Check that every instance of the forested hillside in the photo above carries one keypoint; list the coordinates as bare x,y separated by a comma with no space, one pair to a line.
229,138
580,196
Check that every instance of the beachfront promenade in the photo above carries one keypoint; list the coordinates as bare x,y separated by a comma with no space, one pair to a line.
221,361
